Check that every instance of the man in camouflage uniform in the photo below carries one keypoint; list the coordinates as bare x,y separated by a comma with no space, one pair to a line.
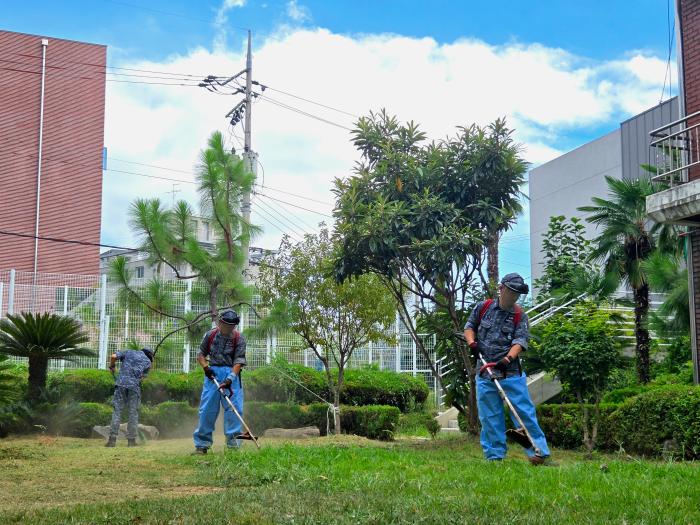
135,365
492,334
221,356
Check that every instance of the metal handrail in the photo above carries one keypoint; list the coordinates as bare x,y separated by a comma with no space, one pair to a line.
680,150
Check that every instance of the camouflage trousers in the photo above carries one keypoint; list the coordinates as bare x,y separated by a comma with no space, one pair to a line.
131,398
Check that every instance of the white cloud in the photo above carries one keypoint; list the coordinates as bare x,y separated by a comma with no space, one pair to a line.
544,92
297,12
221,21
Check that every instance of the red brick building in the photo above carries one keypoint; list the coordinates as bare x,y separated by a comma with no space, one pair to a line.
71,138
676,150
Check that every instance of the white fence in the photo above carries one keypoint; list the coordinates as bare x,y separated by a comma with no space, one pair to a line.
93,300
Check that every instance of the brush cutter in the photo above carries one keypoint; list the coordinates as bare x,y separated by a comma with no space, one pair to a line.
247,434
520,435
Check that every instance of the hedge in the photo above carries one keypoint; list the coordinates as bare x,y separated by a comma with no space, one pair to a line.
374,422
361,387
97,386
645,424
172,418
662,420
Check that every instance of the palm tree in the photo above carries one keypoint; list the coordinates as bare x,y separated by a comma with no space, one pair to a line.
666,274
627,238
40,338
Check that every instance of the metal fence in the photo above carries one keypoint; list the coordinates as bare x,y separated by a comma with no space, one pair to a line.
94,300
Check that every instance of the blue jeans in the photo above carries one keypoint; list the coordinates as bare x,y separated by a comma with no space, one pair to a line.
492,418
209,405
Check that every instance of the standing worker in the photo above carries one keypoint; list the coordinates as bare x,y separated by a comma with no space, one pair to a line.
135,364
498,331
221,355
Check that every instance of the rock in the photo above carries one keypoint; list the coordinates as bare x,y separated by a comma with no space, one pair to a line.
293,433
148,432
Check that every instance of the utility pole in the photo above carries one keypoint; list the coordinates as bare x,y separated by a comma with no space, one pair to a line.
249,156
242,110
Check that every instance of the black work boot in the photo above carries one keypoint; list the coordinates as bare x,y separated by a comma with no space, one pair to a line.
131,443
199,451
111,442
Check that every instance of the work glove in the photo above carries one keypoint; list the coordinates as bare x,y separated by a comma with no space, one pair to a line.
209,372
473,349
226,385
503,363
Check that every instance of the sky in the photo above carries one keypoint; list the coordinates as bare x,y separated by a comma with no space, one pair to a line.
561,72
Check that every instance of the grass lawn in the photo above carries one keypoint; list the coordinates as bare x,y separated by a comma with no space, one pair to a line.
332,480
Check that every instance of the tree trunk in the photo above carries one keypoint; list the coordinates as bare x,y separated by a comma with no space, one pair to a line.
492,260
641,334
585,419
38,366
336,400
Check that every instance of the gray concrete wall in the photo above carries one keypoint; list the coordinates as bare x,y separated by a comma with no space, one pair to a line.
635,137
561,185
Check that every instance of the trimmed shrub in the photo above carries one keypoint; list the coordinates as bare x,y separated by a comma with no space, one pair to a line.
374,422
561,425
646,423
370,386
271,385
362,387
620,395
85,385
160,387
171,418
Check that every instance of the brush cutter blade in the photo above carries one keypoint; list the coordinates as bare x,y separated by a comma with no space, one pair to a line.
245,435
518,435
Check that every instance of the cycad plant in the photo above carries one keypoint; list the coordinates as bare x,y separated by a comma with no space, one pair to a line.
41,338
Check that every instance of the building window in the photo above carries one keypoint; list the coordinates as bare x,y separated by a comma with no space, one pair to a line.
206,231
139,272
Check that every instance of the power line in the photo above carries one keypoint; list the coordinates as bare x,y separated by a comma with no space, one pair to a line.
266,86
274,222
306,114
283,218
295,195
303,224
67,241
671,38
295,205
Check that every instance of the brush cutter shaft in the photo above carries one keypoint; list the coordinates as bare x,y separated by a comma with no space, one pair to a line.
511,408
240,418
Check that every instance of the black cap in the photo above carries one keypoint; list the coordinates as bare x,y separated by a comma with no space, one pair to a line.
229,317
148,352
515,282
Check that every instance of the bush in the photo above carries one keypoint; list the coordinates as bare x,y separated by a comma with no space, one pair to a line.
622,394
366,386
86,385
414,423
371,386
646,423
171,418
97,386
270,384
69,418
374,422
160,387
561,425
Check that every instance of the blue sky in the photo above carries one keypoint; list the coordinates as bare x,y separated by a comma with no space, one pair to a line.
563,72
